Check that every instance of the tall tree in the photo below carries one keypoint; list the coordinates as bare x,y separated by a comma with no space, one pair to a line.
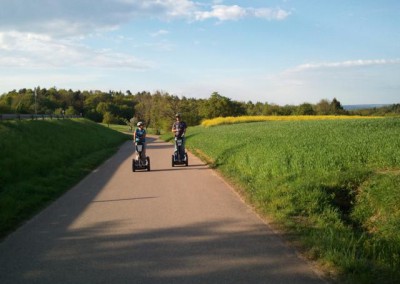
219,106
323,107
336,107
143,107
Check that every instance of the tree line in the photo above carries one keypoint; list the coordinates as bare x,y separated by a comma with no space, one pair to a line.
157,109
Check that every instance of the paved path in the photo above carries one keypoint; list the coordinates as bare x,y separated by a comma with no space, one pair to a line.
170,225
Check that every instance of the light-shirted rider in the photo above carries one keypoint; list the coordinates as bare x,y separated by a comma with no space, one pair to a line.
139,137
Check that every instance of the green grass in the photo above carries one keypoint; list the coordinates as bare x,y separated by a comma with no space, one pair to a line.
334,185
126,128
118,127
39,160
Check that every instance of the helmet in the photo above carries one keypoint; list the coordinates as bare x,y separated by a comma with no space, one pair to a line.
139,123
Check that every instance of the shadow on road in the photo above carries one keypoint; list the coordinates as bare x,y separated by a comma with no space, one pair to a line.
196,253
182,168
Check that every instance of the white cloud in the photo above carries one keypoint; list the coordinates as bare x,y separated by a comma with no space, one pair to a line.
235,12
323,74
270,14
36,50
62,18
81,17
352,82
342,64
159,33
177,8
44,33
222,13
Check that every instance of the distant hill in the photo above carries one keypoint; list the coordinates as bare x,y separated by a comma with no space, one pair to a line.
366,106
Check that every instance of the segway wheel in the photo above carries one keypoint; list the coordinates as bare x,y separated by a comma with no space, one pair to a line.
148,164
186,160
173,162
133,166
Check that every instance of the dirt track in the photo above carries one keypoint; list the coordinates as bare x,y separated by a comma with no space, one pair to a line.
169,225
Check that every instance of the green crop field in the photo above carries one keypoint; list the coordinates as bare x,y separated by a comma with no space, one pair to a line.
333,185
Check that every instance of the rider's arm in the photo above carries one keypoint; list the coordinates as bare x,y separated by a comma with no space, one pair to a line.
184,129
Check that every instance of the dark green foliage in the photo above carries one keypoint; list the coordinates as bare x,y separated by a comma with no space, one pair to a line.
306,109
157,110
220,106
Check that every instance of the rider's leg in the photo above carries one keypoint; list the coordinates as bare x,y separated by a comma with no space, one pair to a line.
176,146
136,154
144,151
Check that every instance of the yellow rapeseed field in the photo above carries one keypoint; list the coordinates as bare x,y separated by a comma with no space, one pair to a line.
258,118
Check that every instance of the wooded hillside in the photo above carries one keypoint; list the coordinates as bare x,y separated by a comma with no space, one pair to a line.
157,109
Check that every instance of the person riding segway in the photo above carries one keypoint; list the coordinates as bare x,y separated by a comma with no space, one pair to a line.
179,129
141,161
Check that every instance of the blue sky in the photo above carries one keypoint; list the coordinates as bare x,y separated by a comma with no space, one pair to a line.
278,51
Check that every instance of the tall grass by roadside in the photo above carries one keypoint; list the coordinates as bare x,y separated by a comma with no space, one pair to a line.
39,160
334,184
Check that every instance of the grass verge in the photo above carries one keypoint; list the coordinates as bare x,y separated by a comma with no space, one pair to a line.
40,160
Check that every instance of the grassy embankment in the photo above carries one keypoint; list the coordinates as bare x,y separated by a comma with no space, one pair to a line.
39,160
126,129
333,184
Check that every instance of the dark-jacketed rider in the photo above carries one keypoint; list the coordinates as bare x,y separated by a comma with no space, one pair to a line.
179,130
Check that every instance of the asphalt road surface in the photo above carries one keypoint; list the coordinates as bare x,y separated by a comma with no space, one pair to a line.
169,225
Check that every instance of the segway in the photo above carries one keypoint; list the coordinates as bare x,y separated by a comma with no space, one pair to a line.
179,157
140,162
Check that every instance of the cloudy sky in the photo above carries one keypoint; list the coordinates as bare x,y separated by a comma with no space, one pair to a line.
276,51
